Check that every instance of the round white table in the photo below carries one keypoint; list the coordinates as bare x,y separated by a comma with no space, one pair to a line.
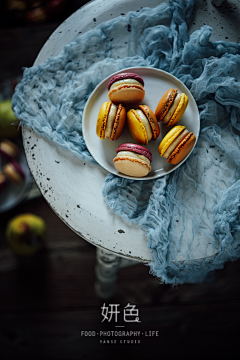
72,187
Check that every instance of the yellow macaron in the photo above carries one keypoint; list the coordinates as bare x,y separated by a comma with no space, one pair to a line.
142,124
176,144
111,120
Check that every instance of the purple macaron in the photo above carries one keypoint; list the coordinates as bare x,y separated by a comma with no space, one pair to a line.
123,76
135,148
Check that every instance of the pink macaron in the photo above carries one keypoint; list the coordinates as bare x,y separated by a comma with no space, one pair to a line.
133,160
126,88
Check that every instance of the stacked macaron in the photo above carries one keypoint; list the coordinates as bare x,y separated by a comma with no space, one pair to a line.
126,92
124,89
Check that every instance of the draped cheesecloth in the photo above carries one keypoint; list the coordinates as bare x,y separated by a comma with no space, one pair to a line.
193,213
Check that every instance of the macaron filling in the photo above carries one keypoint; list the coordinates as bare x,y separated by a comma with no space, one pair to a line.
182,149
145,122
165,103
153,122
133,155
110,121
182,105
125,82
126,76
172,109
175,143
169,138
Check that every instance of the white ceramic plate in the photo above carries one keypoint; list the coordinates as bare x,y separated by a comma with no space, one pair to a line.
156,83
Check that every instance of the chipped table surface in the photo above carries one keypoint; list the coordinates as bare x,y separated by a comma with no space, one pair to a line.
73,188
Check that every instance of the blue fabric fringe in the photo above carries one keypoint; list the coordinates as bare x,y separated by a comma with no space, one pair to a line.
193,213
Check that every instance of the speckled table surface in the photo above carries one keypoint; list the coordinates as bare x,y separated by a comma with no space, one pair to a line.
81,206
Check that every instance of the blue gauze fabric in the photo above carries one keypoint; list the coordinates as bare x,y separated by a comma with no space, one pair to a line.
194,212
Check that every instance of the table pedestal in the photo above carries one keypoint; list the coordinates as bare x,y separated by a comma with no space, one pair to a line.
107,268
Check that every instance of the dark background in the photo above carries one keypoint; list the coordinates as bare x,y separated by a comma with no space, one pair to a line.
46,302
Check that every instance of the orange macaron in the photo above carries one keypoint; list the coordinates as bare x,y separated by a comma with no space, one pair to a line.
171,107
111,120
142,124
176,144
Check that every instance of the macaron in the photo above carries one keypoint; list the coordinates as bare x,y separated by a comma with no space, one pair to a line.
8,150
171,107
142,124
133,160
111,120
126,88
176,144
14,172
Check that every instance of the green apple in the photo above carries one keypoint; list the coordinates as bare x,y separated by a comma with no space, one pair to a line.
25,234
8,121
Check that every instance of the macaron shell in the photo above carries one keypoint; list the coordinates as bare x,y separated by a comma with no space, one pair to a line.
118,123
182,150
152,120
131,166
102,119
135,148
165,103
136,127
126,94
178,114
